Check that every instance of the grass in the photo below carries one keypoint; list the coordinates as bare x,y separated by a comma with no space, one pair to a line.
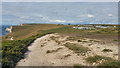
91,40
51,51
55,39
24,35
113,63
65,29
48,51
108,63
79,40
28,30
96,58
76,48
115,40
107,50
77,66
72,38
25,31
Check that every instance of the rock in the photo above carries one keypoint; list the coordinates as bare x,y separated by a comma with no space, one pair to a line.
11,38
94,63
9,29
100,62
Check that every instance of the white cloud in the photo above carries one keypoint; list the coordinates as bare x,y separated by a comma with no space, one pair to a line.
90,15
60,21
24,17
110,15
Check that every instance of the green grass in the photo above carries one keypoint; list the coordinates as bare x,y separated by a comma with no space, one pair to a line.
76,48
65,29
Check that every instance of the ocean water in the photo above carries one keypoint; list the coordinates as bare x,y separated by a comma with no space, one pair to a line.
3,30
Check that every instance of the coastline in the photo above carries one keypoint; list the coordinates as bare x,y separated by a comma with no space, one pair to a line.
4,32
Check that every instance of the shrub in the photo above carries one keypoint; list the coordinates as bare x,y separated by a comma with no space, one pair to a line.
115,40
110,63
96,58
107,50
84,41
13,51
77,66
48,51
77,48
79,40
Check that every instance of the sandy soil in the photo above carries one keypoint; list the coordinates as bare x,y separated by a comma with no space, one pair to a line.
61,55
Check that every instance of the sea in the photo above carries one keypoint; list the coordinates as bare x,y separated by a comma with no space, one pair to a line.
3,31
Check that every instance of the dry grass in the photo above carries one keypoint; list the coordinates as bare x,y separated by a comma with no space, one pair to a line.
52,51
27,30
77,48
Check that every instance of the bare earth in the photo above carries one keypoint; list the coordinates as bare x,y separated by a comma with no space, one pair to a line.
38,56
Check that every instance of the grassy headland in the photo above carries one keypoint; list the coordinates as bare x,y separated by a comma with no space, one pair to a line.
24,35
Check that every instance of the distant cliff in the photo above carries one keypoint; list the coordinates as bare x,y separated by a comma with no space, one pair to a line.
9,29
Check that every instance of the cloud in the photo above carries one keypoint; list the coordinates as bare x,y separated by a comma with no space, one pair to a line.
110,15
90,15
24,17
59,21
60,0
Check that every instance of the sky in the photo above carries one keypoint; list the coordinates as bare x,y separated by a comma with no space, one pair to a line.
60,0
60,12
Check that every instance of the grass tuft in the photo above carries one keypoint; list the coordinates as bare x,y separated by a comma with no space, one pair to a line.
107,50
77,48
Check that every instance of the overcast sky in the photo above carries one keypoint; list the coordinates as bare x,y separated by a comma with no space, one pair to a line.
60,0
59,12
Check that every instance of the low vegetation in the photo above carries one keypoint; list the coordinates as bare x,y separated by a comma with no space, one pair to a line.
110,63
79,40
77,66
96,58
55,39
71,38
115,40
24,35
107,50
51,51
107,61
13,51
77,48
